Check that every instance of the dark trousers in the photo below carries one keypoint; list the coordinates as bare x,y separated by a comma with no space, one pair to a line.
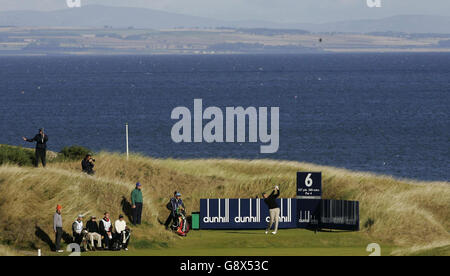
58,236
77,238
40,154
137,213
106,240
120,237
170,218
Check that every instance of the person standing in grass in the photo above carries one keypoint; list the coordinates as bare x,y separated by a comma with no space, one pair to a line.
274,210
57,228
171,217
137,204
41,146
177,203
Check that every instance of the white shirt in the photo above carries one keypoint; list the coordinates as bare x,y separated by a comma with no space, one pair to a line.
120,226
107,225
78,226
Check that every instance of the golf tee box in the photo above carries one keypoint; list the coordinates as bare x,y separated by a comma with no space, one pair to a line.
307,211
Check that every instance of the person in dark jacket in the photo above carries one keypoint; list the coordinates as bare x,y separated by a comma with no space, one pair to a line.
93,233
175,203
41,146
87,165
274,210
169,206
137,204
106,230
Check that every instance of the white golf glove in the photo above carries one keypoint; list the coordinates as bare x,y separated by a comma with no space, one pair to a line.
277,188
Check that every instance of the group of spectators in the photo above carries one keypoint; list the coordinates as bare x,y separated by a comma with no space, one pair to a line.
93,235
104,234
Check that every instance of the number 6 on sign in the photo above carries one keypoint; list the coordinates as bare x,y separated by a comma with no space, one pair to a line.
308,180
309,185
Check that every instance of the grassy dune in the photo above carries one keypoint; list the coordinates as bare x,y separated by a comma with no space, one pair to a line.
6,251
412,217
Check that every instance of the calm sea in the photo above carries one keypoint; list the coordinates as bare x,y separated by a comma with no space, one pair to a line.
384,113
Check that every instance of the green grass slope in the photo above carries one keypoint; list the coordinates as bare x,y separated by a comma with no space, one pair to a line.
405,217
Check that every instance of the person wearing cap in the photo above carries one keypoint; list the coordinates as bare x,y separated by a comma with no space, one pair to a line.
41,146
106,230
122,232
177,203
77,230
170,218
93,232
137,204
57,228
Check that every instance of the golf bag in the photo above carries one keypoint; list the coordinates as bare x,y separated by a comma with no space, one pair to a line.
120,240
181,225
116,245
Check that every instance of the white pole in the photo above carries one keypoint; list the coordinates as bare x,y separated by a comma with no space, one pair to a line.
126,130
39,253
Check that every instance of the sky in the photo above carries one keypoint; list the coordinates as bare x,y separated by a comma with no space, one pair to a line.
283,11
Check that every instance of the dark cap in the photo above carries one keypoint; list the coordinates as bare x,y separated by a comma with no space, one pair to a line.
120,216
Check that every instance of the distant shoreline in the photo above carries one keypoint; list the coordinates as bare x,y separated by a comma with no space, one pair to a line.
333,51
32,41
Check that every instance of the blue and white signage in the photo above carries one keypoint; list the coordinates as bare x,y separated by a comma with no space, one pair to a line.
309,185
308,211
339,214
240,213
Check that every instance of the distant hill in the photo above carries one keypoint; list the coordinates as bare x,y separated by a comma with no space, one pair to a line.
399,23
99,16
123,17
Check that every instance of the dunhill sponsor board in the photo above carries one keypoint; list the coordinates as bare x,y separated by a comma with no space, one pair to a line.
308,210
244,213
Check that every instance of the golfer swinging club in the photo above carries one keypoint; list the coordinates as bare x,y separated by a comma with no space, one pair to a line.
273,209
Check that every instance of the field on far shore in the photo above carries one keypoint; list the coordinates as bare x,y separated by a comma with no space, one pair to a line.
101,41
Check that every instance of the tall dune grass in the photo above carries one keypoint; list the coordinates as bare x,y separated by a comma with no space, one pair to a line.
6,251
28,198
402,212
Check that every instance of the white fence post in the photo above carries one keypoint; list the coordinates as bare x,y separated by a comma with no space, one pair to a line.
126,130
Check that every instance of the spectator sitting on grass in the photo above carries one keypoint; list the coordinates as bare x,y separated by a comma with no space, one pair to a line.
93,233
78,231
106,230
122,232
